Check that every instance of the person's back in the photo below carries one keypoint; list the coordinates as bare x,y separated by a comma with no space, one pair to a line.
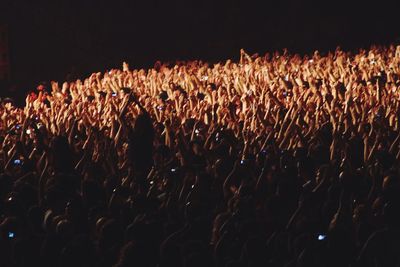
383,247
141,144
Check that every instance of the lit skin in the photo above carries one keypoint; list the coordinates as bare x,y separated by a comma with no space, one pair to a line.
309,91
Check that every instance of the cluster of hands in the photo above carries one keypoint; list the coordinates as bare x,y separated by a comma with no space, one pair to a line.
280,97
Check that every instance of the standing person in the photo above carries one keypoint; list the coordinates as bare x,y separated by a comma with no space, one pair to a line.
141,146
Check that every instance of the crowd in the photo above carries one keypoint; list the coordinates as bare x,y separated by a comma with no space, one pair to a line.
278,160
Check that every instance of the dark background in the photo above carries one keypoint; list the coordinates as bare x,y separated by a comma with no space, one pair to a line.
59,40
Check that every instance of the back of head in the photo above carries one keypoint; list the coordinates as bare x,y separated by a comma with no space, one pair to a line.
62,154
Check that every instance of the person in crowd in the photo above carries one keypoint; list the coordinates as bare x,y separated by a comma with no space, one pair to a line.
278,160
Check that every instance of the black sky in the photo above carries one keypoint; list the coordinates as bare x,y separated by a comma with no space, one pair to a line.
51,39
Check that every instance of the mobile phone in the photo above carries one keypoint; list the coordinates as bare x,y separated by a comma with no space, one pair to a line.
28,131
217,137
197,131
17,162
18,126
11,234
321,237
173,170
242,161
151,182
287,77
159,107
114,94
